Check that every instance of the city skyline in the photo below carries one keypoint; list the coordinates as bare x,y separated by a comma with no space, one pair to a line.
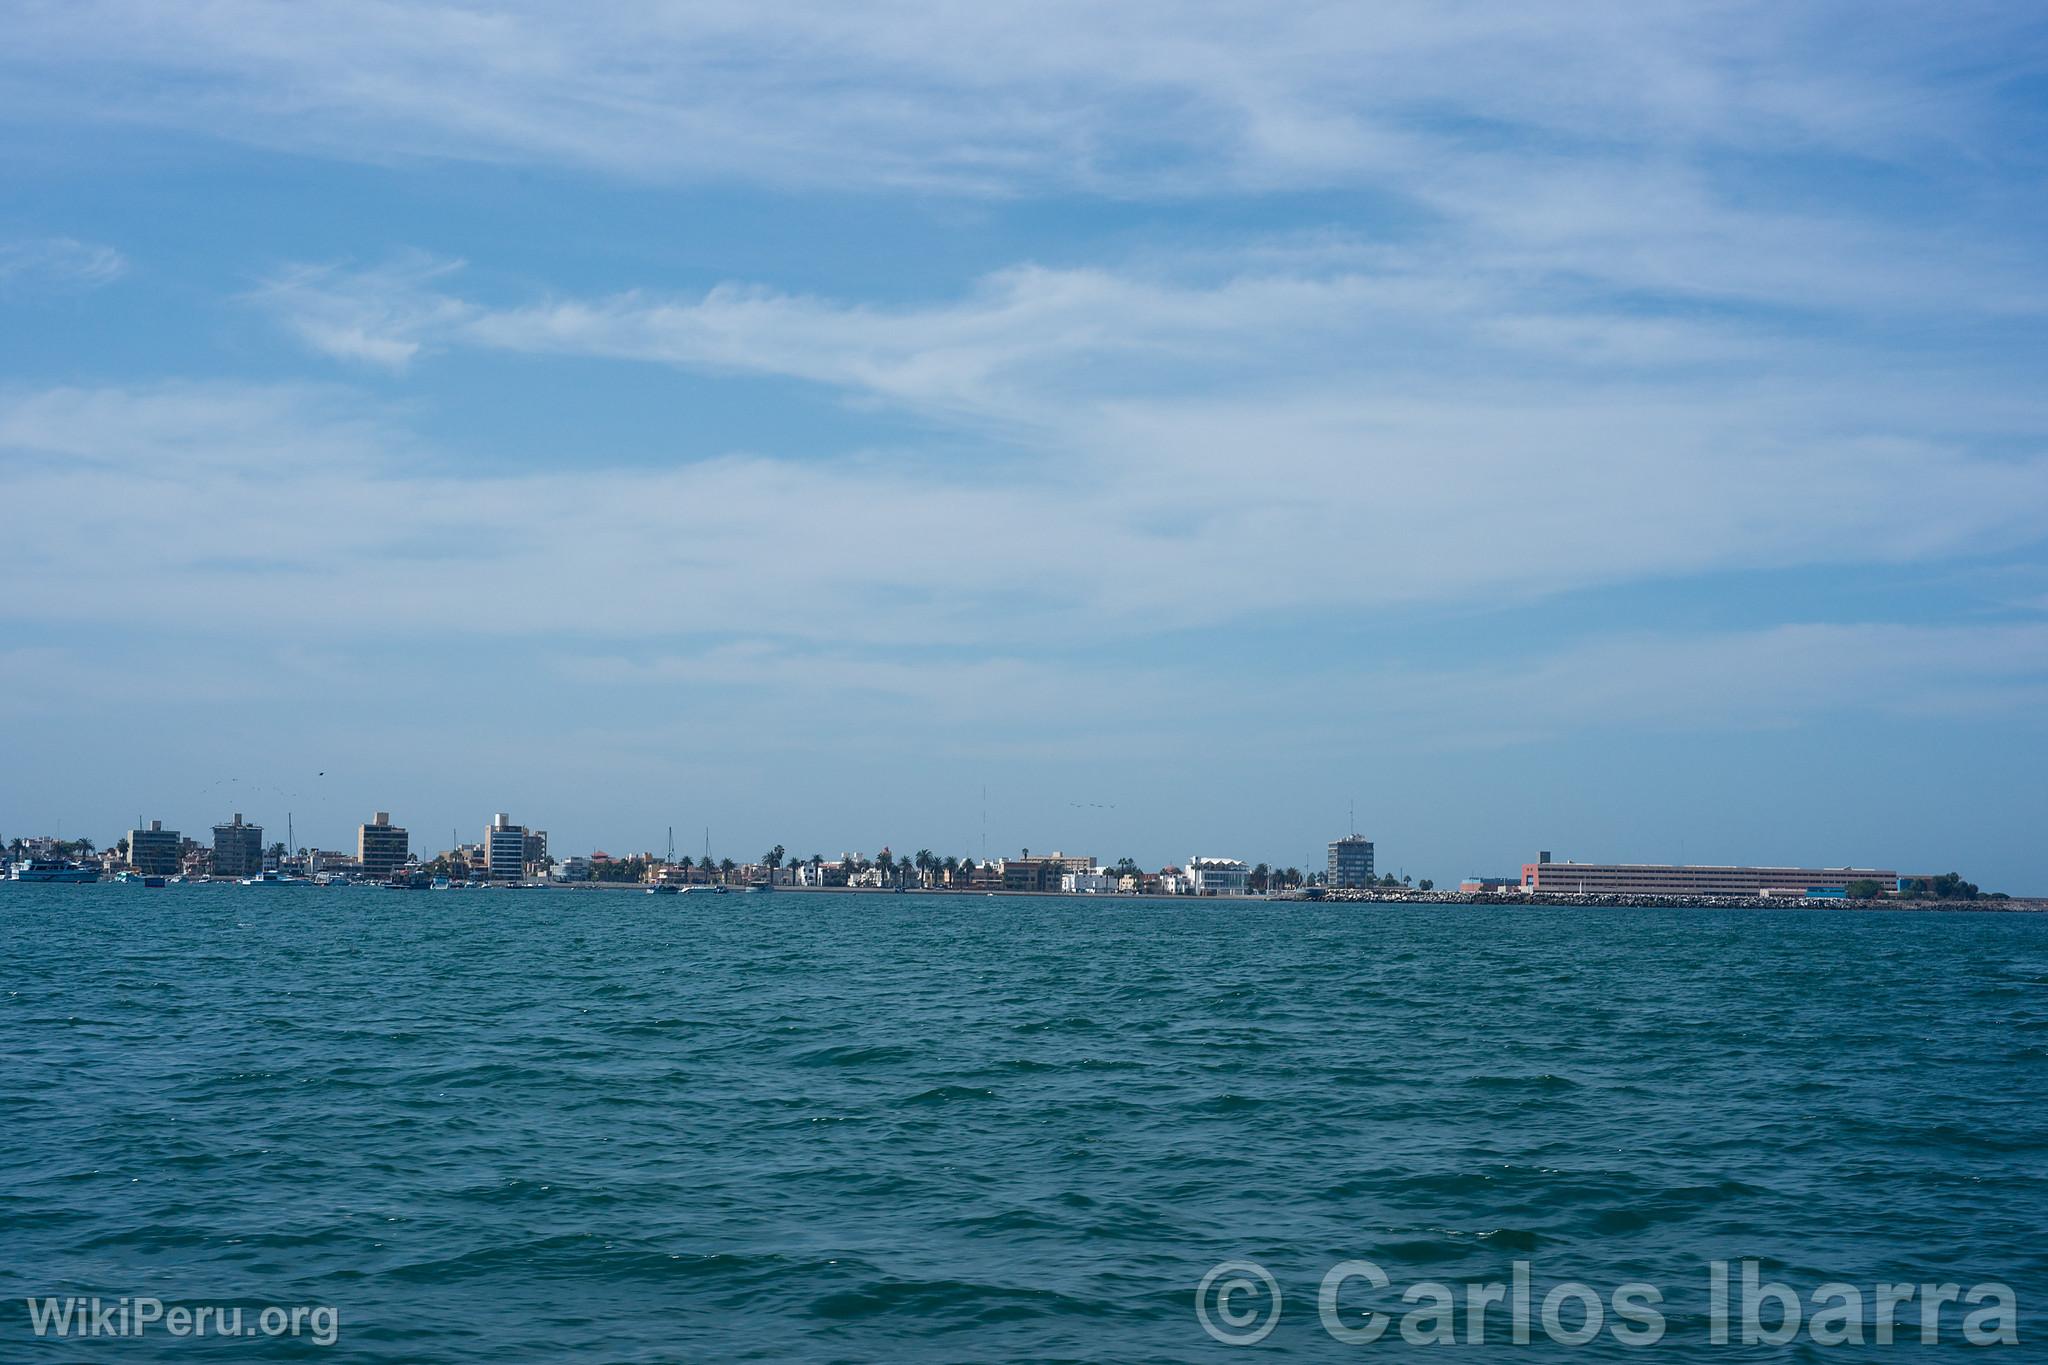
1350,860
1177,430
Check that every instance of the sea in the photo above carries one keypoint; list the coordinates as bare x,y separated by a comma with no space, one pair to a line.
591,1126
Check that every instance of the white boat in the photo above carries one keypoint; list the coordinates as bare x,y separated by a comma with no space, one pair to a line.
53,870
274,879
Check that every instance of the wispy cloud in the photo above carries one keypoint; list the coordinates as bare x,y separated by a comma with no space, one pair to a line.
1768,678
1286,408
1261,516
983,99
378,317
59,261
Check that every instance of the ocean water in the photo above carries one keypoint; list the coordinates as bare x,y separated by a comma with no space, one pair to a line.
559,1126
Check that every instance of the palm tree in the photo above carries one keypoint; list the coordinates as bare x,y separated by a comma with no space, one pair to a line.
725,868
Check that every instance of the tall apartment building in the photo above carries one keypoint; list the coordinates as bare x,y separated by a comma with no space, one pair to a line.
504,849
381,847
534,860
1350,862
154,851
237,849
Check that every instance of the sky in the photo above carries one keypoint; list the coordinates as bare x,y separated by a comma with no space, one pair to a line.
1144,430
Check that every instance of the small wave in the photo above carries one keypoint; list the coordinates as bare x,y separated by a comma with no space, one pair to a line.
948,1094
925,1299
850,1055
1544,1082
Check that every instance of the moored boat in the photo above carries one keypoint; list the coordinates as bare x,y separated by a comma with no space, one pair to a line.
53,870
274,879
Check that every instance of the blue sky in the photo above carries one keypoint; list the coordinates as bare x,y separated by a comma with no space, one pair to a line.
1610,429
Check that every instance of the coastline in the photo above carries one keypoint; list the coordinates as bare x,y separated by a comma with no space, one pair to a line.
1392,896
2014,905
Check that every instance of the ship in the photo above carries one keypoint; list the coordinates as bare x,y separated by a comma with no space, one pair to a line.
53,870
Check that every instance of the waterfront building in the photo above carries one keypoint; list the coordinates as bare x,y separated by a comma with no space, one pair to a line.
237,849
504,849
1666,879
822,873
1088,883
1219,877
576,869
534,857
1473,886
1350,862
382,847
155,851
1032,874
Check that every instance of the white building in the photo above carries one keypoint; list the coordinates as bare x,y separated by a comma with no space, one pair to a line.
1219,877
1087,883
573,870
821,874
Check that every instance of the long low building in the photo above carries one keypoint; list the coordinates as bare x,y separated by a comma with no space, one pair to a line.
1660,879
